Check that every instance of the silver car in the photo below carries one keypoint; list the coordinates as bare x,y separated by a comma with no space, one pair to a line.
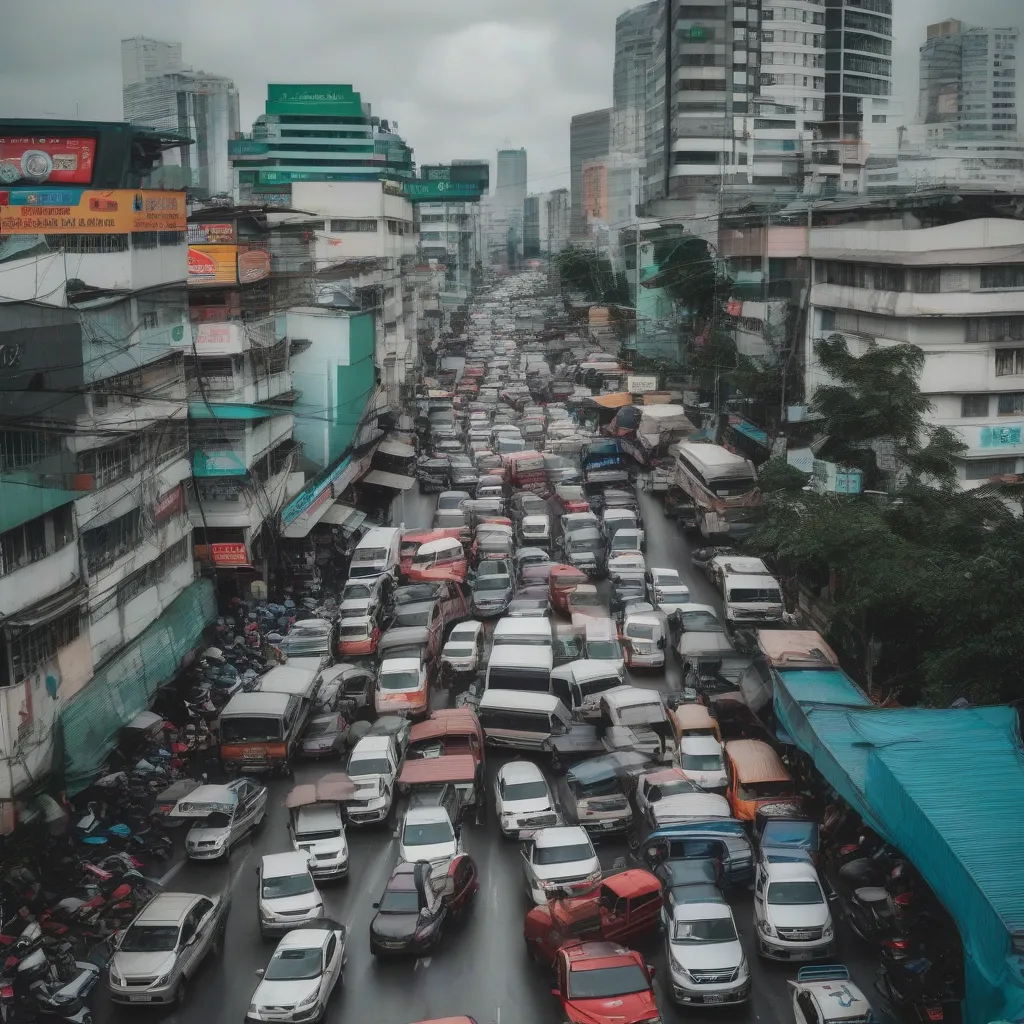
522,799
220,816
164,946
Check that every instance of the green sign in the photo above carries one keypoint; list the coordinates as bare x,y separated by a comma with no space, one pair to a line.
284,177
442,191
247,147
437,173
331,100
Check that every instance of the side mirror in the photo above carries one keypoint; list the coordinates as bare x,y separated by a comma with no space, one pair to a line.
260,971
376,905
555,992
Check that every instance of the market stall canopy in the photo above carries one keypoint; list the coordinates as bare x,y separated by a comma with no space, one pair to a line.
394,481
937,784
396,449
333,788
616,401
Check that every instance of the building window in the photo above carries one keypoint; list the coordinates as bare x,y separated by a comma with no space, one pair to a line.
973,405
1009,362
351,226
32,649
20,449
106,544
1011,404
985,469
113,462
32,541
927,280
1009,276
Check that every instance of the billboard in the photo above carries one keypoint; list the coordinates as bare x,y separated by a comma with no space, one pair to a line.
638,385
79,211
32,161
217,339
253,265
211,234
212,264
333,100
442,191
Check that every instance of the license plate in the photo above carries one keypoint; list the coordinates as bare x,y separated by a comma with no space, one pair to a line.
138,998
714,999
800,956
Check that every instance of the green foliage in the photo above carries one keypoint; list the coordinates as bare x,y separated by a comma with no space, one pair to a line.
778,475
688,272
588,272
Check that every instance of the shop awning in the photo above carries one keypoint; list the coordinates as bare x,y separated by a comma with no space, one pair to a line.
345,516
49,608
199,410
616,401
396,449
395,481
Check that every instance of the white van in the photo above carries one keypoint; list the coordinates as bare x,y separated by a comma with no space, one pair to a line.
526,631
378,553
579,685
522,721
519,667
752,600
318,830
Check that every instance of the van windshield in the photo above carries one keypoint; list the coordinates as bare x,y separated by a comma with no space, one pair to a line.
249,730
640,631
369,766
602,787
512,677
604,650
701,762
759,596
370,555
731,486
765,790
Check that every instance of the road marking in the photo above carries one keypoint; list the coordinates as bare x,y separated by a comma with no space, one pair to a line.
424,962
497,1016
170,873
382,865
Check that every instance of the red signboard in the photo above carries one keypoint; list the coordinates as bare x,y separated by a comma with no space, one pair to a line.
32,161
169,504
229,554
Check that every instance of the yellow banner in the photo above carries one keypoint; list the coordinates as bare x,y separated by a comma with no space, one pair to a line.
212,264
78,211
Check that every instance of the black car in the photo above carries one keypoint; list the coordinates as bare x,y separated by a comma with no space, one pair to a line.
417,904
433,475
527,601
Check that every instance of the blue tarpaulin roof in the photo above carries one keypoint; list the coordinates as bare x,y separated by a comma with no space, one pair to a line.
945,787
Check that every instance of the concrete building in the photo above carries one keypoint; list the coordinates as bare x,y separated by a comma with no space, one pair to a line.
968,79
546,223
98,603
589,138
158,91
635,33
793,57
506,221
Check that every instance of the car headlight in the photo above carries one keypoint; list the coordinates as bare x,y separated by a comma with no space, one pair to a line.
253,1008
765,927
163,979
651,1020
680,969
115,978
309,1000
744,968
828,932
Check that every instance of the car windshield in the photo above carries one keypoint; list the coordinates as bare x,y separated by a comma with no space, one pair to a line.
640,631
585,543
357,592
764,790
415,618
150,938
586,600
356,629
791,894
604,650
315,837
427,833
458,650
320,727
400,901
369,766
399,681
294,965
562,854
607,982
718,929
492,583
413,594
760,596
535,790
370,555
697,622
701,762
287,885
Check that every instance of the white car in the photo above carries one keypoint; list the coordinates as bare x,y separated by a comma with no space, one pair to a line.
559,861
464,648
522,798
301,975
318,830
705,958
665,590
287,896
825,995
427,833
791,914
373,767
701,759
220,817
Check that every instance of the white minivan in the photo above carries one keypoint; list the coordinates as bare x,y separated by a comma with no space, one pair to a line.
519,667
522,720
287,895
527,631
378,553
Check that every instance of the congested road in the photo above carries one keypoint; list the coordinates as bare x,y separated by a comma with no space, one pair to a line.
481,969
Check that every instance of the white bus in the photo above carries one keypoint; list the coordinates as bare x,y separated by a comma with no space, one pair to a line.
722,486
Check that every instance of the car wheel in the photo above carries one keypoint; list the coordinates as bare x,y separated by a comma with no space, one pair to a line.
179,992
218,939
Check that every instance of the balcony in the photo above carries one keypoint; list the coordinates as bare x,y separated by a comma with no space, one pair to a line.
227,504
223,451
39,579
212,337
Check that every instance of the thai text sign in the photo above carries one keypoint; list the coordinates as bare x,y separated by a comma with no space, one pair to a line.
79,211
1000,437
32,161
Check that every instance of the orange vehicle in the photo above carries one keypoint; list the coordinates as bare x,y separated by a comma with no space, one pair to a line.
625,909
562,581
462,771
358,637
450,731
757,777
413,539
526,471
439,560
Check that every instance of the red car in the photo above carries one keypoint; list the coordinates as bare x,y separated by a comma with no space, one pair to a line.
626,908
358,637
604,983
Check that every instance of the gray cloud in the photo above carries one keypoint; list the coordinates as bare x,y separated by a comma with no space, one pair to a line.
461,77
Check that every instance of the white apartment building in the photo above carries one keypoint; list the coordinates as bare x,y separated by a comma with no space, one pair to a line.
955,290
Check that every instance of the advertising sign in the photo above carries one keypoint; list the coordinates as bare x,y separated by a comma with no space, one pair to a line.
212,264
1008,436
335,100
32,161
229,554
217,339
253,265
79,211
442,191
211,234
169,504
302,502
641,385
217,462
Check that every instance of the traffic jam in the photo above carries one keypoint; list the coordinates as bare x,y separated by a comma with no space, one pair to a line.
538,712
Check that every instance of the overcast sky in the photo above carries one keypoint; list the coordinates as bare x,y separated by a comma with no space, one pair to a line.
461,77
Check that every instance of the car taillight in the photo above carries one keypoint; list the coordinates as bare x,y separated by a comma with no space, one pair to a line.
847,849
904,899
935,1013
7,992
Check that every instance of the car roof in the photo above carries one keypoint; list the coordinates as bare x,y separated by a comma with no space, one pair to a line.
790,870
372,745
212,795
561,835
305,938
400,665
520,771
700,910
167,908
426,815
294,862
257,703
659,571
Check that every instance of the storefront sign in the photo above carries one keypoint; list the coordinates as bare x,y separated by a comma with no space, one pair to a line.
229,554
217,339
220,462
212,264
79,211
32,161
211,234
1000,437
253,265
308,499
169,504
641,385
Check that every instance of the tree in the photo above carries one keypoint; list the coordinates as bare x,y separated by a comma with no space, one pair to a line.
687,270
588,272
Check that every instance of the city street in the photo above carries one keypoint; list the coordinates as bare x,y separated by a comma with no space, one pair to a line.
482,969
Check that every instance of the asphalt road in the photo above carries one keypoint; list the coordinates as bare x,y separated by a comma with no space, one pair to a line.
482,969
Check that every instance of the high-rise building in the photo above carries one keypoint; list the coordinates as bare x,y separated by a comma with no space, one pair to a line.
968,79
159,92
793,56
589,138
635,32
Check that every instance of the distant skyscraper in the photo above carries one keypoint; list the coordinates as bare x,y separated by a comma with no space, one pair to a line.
159,92
511,177
635,33
589,138
968,78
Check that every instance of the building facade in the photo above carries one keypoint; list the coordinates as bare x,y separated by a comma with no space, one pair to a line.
635,33
589,139
546,223
158,91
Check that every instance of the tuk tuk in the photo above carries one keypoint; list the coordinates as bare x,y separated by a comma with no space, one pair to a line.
462,771
562,581
694,720
442,559
412,540
447,732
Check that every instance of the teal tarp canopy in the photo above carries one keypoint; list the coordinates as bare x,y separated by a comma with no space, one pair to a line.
944,786
213,411
126,687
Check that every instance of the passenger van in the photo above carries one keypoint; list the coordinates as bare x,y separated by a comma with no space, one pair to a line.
525,631
522,720
722,486
756,777
259,731
601,642
378,553
519,667
750,593
579,685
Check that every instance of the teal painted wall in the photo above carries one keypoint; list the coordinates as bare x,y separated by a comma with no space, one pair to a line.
22,499
355,383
